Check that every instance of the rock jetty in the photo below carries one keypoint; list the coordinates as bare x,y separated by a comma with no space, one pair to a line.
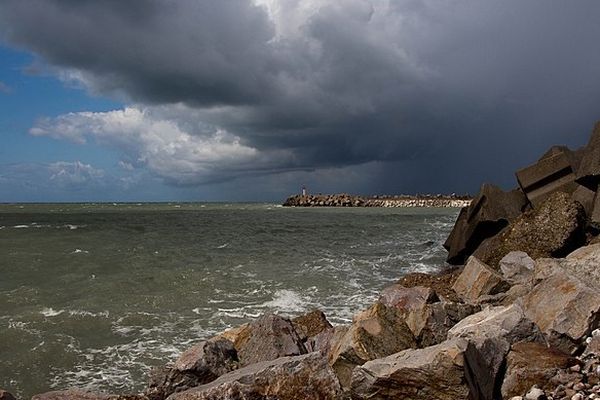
520,320
347,200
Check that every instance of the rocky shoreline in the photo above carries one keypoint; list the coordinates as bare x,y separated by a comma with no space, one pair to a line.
518,319
401,201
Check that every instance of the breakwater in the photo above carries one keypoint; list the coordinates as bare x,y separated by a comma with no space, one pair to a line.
347,200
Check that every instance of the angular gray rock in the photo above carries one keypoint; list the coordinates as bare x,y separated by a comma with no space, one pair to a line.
490,211
476,280
436,372
198,365
376,332
490,334
436,319
517,268
287,378
268,338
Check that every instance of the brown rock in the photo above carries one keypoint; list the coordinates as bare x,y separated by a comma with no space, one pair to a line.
326,339
238,335
528,364
407,299
436,372
376,332
437,319
311,324
476,280
198,365
71,394
553,230
441,283
490,334
270,337
490,211
286,378
564,308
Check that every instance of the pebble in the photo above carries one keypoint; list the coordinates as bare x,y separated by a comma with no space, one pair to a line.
577,396
579,386
575,368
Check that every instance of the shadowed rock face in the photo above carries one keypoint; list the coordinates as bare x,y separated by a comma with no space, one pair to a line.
436,372
287,378
490,212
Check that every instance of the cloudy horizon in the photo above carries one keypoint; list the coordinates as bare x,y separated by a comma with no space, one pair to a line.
250,100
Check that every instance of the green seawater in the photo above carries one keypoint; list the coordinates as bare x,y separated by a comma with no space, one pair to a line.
94,295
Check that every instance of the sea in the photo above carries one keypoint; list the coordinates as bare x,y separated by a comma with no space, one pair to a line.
94,295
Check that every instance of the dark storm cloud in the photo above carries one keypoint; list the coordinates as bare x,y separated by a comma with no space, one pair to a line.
449,92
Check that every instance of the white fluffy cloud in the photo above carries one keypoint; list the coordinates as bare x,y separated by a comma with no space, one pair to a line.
177,151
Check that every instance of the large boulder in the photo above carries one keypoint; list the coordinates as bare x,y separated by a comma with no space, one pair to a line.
198,365
555,171
554,229
268,338
528,364
476,280
490,211
376,332
588,173
287,378
490,334
436,372
565,307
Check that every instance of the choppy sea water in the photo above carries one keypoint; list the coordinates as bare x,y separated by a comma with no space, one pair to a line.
94,295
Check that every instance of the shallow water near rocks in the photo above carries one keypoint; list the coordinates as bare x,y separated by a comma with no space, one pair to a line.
94,295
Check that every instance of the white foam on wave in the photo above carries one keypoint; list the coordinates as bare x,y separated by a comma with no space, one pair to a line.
78,251
84,313
287,301
50,312
223,246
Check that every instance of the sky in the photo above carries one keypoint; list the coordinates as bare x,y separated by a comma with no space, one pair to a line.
249,100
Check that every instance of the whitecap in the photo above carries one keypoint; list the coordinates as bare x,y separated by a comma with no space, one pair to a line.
223,246
77,251
50,312
287,301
